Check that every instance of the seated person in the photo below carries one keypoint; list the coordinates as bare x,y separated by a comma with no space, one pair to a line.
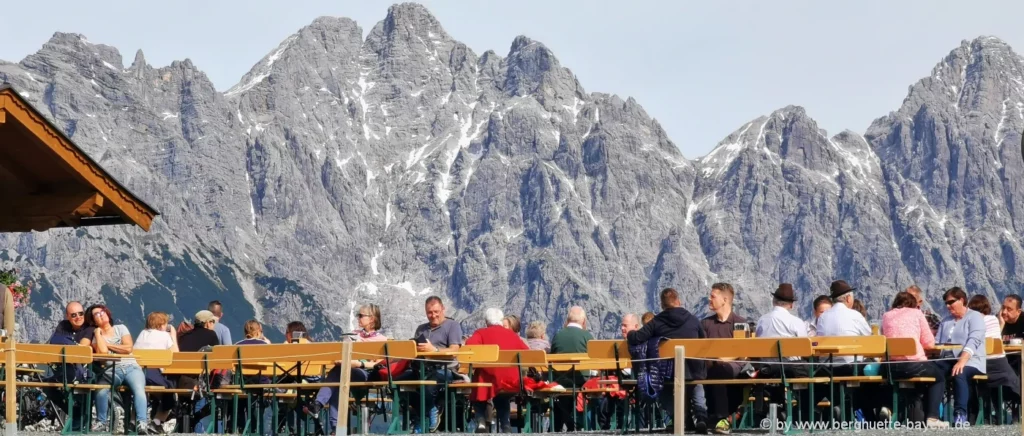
114,339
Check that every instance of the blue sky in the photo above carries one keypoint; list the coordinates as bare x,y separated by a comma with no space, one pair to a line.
702,68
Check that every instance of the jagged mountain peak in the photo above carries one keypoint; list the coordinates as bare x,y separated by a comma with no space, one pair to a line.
533,69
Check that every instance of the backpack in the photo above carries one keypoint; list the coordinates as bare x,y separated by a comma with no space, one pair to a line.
651,375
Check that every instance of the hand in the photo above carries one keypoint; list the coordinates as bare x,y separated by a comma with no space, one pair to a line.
425,347
958,368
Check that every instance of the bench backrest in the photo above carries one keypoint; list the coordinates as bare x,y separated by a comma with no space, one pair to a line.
994,346
606,349
186,363
871,345
526,358
901,347
737,348
46,353
153,358
373,350
480,353
286,355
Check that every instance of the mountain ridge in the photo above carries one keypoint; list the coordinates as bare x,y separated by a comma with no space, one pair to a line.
342,170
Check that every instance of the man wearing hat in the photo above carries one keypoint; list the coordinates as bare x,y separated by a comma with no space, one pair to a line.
781,323
841,319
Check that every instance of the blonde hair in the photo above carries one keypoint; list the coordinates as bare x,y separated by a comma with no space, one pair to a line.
156,319
536,330
513,323
253,329
375,311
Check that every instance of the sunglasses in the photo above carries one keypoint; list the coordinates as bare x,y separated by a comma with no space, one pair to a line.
76,315
950,302
363,315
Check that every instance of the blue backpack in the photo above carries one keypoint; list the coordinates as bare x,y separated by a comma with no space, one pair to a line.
651,375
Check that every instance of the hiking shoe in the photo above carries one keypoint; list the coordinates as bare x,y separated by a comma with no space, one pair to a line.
100,427
885,414
155,428
435,419
722,427
960,421
142,427
936,423
700,427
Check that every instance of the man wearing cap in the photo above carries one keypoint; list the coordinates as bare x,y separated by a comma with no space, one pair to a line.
202,333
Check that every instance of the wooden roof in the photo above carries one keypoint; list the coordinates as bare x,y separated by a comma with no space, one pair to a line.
46,181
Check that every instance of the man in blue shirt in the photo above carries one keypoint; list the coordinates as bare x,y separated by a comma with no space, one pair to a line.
222,331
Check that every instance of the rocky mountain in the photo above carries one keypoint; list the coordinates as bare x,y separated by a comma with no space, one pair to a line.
342,171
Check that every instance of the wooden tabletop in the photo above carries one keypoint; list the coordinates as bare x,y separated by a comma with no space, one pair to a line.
568,358
1012,347
443,354
833,349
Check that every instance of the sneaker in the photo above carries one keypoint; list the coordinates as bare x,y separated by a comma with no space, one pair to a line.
435,419
961,420
142,427
155,428
482,428
701,425
100,427
722,427
885,414
936,423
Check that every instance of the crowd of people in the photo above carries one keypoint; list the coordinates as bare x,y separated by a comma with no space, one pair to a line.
714,407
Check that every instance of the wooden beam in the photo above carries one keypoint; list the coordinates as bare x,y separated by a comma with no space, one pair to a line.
79,204
3,116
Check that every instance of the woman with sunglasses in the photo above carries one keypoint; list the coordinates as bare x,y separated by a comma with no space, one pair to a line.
369,330
965,329
114,339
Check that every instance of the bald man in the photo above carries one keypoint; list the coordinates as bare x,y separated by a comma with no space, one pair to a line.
571,339
72,329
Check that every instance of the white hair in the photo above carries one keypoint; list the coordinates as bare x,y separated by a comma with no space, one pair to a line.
493,316
577,315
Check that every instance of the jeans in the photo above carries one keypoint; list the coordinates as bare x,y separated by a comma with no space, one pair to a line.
329,396
936,391
502,408
698,406
961,384
440,375
132,376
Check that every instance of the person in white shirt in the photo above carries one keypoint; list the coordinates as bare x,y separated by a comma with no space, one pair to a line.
781,323
158,335
842,320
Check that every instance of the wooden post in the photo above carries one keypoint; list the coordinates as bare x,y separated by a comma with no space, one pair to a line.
343,390
10,388
678,420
